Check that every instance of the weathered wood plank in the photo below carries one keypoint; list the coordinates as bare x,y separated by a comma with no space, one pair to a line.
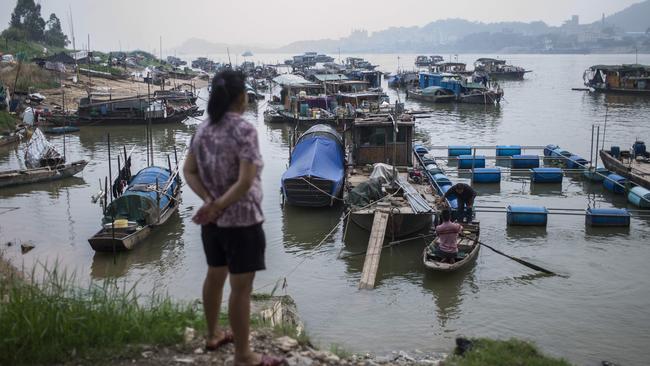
375,244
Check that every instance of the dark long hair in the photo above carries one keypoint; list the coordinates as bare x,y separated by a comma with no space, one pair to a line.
227,87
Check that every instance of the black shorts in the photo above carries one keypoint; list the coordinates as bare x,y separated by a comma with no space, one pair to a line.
239,248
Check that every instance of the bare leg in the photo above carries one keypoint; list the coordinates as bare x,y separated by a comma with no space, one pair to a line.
212,293
239,314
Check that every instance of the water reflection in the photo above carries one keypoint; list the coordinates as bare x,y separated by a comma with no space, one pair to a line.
515,233
448,290
303,226
52,188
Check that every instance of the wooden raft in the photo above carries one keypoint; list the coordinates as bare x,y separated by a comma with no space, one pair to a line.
375,244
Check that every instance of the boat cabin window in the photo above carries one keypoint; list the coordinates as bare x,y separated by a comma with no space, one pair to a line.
401,135
373,136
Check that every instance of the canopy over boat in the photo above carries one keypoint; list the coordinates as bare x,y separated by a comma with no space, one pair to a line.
318,154
141,201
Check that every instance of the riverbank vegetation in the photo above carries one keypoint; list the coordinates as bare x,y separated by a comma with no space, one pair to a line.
30,77
7,121
488,352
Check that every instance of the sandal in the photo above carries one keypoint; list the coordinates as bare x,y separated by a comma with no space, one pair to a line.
268,360
227,338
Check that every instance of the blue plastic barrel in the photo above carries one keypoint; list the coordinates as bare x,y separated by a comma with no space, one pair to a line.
639,196
508,150
433,169
615,183
486,175
596,175
524,161
469,161
453,201
549,149
527,215
456,150
615,151
420,150
576,162
546,175
639,148
607,217
428,159
442,179
558,153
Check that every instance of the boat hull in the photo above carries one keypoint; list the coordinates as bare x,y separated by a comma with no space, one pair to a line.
512,75
29,176
447,267
431,98
616,166
399,224
103,121
107,241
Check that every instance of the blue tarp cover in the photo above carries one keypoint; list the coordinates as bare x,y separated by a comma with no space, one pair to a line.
317,156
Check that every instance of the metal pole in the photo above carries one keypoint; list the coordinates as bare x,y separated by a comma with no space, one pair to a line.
110,173
591,151
597,143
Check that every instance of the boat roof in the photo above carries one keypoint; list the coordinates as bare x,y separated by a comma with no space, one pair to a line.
292,80
489,59
322,128
623,67
380,120
330,77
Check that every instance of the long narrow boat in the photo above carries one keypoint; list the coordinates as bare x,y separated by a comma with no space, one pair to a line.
633,165
468,248
151,197
316,170
433,94
42,174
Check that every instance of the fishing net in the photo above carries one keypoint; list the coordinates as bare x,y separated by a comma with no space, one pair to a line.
40,152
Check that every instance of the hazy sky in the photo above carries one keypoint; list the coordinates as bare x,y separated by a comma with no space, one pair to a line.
140,23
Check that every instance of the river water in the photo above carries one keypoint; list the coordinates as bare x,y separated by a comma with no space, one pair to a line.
597,311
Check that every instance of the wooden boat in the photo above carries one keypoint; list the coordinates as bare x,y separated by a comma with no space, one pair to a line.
7,140
633,165
468,248
151,197
135,110
478,96
620,79
432,94
373,143
316,169
499,70
42,174
60,130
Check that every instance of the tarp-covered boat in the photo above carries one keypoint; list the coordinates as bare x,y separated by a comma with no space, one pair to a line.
316,171
150,198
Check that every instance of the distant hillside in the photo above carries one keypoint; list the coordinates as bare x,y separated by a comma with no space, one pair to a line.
635,18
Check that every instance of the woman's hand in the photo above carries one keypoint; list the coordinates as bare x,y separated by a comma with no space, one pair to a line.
209,212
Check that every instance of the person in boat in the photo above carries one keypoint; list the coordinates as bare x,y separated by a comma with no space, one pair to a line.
465,196
447,232
223,167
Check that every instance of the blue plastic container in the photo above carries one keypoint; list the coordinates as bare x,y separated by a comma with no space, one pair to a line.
576,162
508,150
639,148
487,175
615,151
442,179
465,161
639,196
611,183
428,160
433,169
527,215
559,153
596,175
453,201
456,150
420,150
546,175
549,149
607,217
524,161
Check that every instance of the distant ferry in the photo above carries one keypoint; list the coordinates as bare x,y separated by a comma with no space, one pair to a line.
247,54
624,79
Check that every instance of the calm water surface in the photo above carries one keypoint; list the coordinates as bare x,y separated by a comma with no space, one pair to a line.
599,310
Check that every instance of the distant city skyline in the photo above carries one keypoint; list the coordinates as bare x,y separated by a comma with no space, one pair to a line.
140,24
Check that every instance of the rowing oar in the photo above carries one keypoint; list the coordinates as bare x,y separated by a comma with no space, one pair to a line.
521,261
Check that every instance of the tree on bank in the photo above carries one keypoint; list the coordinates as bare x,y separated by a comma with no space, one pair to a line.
26,24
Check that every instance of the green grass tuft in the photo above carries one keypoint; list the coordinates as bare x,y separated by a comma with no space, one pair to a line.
487,352
7,121
338,350
53,320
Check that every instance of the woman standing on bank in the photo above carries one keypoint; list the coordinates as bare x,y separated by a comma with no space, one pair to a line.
223,167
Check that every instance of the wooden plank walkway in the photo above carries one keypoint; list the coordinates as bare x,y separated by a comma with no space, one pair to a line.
375,244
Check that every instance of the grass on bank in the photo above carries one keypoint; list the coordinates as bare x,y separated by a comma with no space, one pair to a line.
7,121
31,78
53,320
488,352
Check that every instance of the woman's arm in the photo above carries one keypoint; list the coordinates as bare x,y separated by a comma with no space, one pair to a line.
191,173
211,210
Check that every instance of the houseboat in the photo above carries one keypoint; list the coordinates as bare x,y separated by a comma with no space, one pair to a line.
134,110
301,100
316,169
432,94
426,61
623,79
377,176
632,164
498,69
464,90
